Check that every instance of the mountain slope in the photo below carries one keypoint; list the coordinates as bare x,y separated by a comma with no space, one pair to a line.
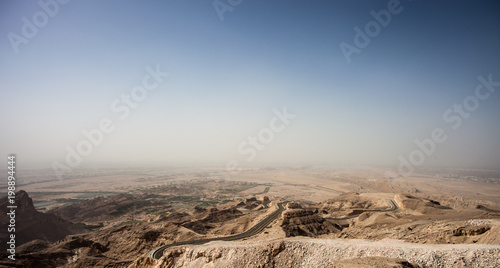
31,224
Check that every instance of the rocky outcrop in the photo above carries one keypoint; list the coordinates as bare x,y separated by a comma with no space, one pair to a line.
31,224
306,222
350,204
212,219
324,253
419,205
471,230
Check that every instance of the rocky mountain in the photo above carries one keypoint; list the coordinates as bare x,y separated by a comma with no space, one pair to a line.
306,222
31,224
119,245
374,234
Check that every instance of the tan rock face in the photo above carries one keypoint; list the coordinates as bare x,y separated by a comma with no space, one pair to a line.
212,219
420,205
324,253
293,205
306,222
349,204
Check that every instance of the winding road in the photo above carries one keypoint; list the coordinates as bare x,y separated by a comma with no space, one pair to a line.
257,228
157,253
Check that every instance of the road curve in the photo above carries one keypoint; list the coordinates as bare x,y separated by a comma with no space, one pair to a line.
257,228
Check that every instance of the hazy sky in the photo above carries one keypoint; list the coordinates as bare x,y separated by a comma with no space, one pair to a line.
229,78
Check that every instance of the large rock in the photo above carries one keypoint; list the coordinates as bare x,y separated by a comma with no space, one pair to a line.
31,224
306,222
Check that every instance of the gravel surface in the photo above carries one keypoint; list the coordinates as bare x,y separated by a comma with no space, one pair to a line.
306,252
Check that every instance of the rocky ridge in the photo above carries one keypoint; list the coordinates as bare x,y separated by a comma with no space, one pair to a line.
306,252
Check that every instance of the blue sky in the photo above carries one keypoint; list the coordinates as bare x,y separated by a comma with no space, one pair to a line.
226,77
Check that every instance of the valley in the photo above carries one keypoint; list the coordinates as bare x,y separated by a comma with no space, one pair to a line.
135,226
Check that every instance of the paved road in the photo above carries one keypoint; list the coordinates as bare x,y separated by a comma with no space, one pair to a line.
257,228
394,206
